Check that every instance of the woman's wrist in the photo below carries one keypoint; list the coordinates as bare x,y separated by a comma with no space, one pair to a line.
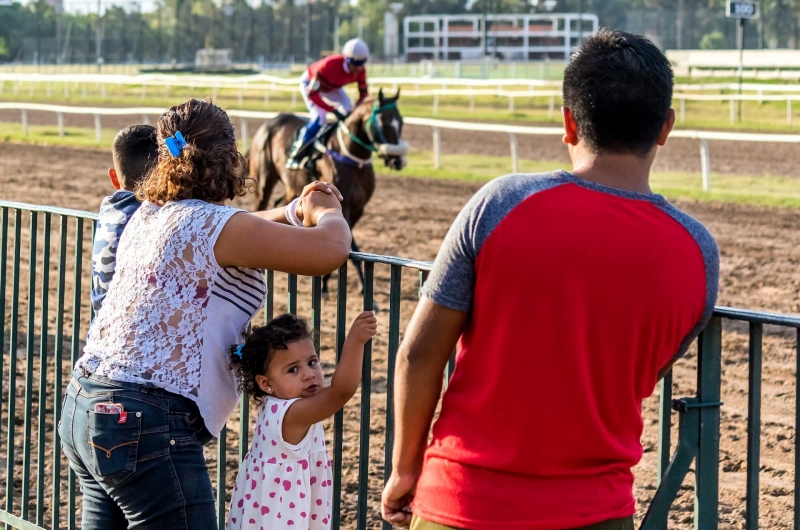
291,213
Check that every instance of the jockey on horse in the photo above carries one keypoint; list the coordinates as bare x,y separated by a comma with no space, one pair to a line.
321,86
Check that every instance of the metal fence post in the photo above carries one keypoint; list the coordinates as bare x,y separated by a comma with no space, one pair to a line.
98,131
733,111
244,134
788,112
709,368
753,425
294,99
437,148
145,119
512,138
83,90
683,110
60,116
510,104
705,164
24,122
551,109
102,90
472,103
266,99
435,104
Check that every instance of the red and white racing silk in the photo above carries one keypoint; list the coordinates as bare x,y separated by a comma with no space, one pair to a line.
331,74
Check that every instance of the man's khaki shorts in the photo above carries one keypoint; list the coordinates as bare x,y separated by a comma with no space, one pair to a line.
613,524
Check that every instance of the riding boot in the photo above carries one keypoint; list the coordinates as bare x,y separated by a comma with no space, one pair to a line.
294,159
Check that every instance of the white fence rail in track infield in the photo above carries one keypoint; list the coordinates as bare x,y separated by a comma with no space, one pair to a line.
511,89
703,137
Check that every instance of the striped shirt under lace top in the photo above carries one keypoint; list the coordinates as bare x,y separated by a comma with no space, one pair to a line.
171,312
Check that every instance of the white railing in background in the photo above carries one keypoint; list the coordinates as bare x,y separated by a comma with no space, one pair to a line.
433,88
436,126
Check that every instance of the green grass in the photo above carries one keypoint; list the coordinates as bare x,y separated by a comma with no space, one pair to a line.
767,190
49,135
766,117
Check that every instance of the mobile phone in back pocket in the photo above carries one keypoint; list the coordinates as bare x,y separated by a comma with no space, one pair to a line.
109,408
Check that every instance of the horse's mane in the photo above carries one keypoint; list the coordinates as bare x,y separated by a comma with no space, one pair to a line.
364,107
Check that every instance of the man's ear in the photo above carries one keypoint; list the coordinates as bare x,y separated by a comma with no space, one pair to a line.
570,128
662,137
112,174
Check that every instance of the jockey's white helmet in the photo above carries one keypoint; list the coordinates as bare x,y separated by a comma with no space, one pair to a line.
356,50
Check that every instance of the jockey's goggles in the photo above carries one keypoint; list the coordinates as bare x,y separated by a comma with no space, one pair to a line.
356,62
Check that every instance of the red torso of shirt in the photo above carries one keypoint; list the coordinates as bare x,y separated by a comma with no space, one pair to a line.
580,298
331,74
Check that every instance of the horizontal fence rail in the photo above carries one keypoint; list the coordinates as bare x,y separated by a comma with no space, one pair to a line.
511,89
145,113
45,313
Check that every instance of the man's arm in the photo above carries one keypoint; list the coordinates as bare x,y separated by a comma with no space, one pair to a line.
363,89
316,98
430,339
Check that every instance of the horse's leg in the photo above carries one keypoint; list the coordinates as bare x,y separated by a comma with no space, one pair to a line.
359,266
272,177
325,293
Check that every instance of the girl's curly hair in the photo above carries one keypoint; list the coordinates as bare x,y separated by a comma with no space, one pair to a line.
259,349
209,168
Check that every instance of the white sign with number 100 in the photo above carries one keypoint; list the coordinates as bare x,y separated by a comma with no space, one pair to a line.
736,9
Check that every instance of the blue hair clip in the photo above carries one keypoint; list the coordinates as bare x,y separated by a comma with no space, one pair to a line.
238,351
175,144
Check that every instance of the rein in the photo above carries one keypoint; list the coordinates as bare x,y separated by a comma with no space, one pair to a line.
372,121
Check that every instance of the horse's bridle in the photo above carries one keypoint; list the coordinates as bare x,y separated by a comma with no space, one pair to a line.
382,148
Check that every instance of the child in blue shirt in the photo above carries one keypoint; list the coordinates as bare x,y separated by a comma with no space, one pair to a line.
135,152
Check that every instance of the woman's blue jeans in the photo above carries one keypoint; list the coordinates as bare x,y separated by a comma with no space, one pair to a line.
146,473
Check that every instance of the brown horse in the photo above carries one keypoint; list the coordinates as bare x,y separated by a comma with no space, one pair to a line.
374,126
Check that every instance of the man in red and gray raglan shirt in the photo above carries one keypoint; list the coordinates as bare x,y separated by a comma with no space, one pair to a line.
572,294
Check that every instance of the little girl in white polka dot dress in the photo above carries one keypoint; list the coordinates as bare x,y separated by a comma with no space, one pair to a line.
285,481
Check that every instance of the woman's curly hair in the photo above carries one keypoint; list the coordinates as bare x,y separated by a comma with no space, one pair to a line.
259,349
209,168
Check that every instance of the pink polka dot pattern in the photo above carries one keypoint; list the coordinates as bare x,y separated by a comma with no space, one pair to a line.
282,485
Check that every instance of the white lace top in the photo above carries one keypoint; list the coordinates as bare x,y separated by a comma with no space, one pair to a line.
171,312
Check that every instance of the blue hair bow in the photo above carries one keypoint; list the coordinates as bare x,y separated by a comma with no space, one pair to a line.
238,351
175,144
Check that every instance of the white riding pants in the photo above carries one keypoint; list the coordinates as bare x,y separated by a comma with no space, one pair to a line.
337,98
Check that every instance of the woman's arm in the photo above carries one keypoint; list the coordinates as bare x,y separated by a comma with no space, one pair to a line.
249,241
280,215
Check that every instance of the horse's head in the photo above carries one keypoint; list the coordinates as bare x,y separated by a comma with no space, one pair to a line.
384,125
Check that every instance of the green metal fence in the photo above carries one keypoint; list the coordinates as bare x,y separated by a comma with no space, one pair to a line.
44,316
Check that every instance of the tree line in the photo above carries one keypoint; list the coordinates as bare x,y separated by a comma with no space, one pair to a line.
303,30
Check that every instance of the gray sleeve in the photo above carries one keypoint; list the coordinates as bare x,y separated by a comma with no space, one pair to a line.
452,281
708,247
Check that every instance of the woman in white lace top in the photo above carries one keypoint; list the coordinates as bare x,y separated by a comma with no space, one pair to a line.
153,384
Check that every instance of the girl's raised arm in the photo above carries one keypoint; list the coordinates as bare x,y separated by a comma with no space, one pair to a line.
305,412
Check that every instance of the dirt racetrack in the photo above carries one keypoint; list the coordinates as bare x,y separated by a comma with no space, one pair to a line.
760,252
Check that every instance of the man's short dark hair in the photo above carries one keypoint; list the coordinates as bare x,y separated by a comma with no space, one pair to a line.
135,152
618,87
